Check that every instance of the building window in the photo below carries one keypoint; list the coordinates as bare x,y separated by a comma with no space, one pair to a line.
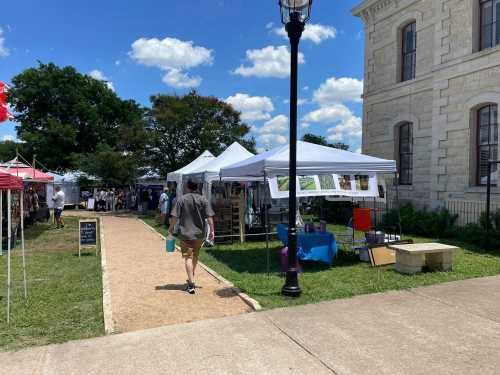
487,142
490,33
409,52
405,157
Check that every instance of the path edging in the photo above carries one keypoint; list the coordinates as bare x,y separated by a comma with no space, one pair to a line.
252,303
109,326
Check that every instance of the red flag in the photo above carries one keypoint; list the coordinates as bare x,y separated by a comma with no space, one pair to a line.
4,112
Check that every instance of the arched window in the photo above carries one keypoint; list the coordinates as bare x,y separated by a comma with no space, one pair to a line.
409,52
489,15
487,142
405,153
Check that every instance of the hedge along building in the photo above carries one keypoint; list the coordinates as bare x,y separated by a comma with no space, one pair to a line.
431,94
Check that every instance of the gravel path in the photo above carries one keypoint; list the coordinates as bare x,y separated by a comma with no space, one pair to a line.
146,283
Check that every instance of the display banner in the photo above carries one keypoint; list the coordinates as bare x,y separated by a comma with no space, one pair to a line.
347,185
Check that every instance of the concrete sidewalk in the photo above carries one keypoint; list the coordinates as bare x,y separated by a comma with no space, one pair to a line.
450,328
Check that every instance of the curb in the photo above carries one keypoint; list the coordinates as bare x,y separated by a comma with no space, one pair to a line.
252,303
109,325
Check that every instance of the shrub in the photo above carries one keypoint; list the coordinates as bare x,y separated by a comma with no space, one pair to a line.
440,223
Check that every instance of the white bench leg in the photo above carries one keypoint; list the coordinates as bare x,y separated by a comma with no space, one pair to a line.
439,261
408,263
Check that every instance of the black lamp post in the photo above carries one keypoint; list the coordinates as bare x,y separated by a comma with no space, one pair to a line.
294,15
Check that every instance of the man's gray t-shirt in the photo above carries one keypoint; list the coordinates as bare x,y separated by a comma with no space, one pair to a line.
191,210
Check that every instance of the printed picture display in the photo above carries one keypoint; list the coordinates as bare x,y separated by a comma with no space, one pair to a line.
307,183
345,182
345,185
283,183
327,182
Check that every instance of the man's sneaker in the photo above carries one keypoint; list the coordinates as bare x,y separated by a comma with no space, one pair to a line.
190,288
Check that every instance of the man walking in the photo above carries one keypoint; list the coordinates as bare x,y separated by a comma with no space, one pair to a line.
189,215
58,200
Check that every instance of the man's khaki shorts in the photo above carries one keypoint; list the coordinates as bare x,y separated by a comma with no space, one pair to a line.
191,248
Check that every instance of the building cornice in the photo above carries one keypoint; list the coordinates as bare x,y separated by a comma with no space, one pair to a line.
370,10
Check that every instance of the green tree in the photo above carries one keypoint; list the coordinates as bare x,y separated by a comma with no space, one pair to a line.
182,127
321,140
63,114
9,149
112,167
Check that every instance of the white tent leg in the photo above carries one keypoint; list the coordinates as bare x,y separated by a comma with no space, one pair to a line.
8,254
22,245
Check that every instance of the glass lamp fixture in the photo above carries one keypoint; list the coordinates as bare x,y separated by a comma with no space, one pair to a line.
295,10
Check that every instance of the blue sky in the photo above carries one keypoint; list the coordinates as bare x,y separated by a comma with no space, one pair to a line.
231,49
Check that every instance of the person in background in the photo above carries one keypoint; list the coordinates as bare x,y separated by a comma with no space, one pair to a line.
58,200
101,200
164,207
190,213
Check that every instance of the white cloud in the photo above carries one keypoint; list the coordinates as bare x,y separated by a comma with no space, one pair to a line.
118,62
170,53
97,74
269,141
173,56
330,114
305,125
346,126
270,61
278,124
8,137
269,25
4,51
340,90
348,131
315,33
178,79
252,108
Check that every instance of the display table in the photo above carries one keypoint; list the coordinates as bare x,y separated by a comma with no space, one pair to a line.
316,246
410,257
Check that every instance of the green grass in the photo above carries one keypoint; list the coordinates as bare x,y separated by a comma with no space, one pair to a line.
245,265
64,291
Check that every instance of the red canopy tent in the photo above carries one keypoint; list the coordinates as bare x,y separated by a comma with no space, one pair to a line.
8,182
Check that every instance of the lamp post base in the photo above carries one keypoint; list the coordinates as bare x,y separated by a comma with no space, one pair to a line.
291,287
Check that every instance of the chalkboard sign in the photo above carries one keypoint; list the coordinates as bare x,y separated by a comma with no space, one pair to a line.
88,234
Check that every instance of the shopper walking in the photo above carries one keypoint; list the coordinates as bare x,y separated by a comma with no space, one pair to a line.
58,200
189,217
164,207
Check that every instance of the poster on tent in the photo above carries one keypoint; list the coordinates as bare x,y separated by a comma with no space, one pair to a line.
349,185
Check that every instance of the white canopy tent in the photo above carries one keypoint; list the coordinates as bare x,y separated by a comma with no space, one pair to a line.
312,159
210,171
199,162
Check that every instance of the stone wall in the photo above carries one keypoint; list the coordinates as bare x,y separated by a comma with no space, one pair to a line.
452,79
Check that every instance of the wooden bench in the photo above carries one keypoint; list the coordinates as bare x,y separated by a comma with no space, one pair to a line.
410,257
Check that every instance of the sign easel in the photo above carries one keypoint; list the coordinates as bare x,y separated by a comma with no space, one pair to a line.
87,235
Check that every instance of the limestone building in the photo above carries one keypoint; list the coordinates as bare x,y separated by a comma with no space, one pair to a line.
431,94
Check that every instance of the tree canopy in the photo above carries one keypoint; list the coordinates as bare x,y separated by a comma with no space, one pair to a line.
63,114
180,128
321,140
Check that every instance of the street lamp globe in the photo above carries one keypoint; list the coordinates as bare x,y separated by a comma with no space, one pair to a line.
295,10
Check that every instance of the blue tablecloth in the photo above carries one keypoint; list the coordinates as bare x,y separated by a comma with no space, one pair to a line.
318,246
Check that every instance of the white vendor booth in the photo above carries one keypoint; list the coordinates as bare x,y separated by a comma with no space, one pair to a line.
199,162
209,172
321,171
